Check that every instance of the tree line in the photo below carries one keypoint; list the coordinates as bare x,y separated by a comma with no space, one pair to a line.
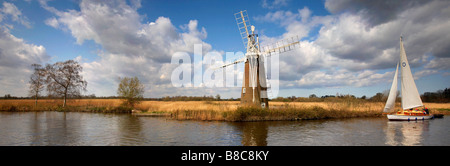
437,97
63,80
440,96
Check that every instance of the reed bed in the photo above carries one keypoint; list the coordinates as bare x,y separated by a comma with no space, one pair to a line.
220,110
279,111
74,105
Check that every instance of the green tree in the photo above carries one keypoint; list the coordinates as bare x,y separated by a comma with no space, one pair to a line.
218,97
377,98
131,89
312,96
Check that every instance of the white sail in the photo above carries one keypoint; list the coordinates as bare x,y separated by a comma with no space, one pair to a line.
390,103
410,95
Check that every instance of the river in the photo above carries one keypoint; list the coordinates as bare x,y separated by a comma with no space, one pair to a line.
75,128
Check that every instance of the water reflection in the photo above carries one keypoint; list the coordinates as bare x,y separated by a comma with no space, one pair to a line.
58,128
253,133
342,132
130,131
405,133
46,128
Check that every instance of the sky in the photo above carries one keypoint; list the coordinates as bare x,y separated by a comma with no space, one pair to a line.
347,46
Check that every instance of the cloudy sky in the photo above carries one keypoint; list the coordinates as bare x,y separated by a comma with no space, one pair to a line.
347,46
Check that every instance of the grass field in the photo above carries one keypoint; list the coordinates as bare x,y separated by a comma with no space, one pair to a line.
81,105
219,110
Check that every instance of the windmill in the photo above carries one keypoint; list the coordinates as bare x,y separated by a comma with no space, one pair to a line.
254,87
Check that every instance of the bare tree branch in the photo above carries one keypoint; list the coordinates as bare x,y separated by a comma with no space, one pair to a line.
37,82
64,79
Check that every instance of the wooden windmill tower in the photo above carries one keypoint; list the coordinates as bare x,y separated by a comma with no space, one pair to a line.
254,86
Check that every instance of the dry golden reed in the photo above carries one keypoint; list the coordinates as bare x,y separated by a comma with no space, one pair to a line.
220,110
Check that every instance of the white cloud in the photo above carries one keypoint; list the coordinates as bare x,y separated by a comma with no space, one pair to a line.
375,12
130,48
357,47
16,57
52,22
424,73
354,47
439,63
12,11
274,4
305,13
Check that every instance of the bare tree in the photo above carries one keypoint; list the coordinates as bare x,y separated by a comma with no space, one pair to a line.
37,82
131,89
64,79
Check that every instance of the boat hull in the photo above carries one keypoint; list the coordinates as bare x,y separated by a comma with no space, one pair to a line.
409,117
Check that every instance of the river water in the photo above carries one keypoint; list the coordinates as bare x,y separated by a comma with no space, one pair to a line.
75,128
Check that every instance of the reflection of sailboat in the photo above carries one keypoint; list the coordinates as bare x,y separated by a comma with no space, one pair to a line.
407,134
410,96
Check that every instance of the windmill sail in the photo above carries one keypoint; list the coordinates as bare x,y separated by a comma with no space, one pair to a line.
390,103
254,87
410,95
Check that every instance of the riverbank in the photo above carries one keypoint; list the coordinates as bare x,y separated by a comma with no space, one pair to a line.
274,114
73,105
217,110
231,111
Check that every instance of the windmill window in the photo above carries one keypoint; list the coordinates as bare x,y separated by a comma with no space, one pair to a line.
243,90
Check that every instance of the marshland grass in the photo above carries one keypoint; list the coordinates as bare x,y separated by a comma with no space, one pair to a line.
279,111
73,105
220,110
231,111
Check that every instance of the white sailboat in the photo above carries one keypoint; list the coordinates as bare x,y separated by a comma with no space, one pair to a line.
410,96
